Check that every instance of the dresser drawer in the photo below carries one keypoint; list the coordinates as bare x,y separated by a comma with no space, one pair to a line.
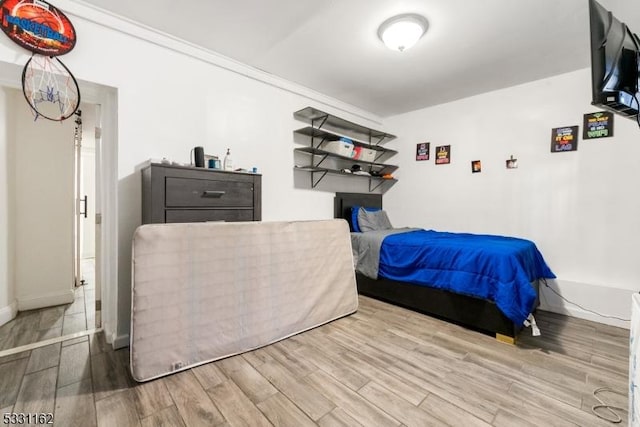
172,193
201,215
190,192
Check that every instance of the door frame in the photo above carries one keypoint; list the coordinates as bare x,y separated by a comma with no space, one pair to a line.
106,204
107,180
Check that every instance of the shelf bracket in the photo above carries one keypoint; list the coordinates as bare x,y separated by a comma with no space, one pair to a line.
379,141
315,182
324,157
322,119
376,187
319,144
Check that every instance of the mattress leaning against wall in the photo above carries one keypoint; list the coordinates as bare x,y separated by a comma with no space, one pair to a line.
205,291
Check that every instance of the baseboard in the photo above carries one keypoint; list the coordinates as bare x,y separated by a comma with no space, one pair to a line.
581,314
120,341
602,304
8,313
31,302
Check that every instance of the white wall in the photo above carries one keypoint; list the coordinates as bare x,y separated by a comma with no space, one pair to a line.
44,171
8,304
581,208
172,99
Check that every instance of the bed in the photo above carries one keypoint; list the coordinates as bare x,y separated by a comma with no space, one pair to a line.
462,307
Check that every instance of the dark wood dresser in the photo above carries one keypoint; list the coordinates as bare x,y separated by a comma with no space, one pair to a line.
189,194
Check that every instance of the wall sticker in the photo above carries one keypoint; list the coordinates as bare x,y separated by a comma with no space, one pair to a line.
564,139
422,151
476,166
597,125
443,155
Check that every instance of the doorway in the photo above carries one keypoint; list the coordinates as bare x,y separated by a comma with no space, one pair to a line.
43,207
105,100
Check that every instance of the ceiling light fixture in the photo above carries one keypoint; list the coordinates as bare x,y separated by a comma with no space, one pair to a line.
402,31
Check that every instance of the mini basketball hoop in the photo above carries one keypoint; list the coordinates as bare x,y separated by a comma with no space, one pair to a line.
50,89
48,86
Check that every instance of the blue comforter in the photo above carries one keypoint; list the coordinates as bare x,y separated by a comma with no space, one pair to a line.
496,268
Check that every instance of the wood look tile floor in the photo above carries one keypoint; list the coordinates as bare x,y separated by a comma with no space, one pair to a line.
383,366
33,326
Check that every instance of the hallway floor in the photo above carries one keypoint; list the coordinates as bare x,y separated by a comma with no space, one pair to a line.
33,326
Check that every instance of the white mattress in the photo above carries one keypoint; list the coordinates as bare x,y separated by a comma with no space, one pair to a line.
205,291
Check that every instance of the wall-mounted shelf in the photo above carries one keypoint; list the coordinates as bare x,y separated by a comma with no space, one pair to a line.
321,120
327,127
318,136
381,168
317,174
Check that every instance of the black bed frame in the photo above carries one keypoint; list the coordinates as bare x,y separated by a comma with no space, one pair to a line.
475,313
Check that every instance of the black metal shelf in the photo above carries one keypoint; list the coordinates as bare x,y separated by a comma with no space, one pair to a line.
375,182
322,135
321,120
327,127
378,167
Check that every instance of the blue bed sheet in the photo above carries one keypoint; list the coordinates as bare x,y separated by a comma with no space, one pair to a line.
496,268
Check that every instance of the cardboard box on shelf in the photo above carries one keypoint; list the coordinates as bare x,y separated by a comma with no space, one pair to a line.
368,155
341,148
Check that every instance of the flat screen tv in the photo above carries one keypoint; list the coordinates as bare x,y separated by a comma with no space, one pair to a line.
615,63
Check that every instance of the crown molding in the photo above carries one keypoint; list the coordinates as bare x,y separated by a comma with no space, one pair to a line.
98,16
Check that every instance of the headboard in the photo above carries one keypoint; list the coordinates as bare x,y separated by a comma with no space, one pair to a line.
343,202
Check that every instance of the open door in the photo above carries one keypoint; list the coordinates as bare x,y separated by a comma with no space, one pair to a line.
98,218
87,244
81,202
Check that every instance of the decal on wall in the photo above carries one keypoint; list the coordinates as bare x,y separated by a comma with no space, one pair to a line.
37,26
443,155
597,125
564,139
422,151
476,166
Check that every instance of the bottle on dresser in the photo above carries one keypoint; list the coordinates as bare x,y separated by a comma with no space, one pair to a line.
228,162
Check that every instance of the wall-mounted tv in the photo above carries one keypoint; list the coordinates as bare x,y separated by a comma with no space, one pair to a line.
615,63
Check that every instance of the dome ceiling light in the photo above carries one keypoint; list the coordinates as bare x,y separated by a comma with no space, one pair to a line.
402,31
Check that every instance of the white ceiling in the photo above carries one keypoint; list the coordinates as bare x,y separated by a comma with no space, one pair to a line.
331,46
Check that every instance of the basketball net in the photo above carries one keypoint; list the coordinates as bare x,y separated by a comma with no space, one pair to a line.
50,88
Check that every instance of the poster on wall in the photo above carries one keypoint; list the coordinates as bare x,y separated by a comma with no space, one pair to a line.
443,155
422,151
564,139
476,166
597,125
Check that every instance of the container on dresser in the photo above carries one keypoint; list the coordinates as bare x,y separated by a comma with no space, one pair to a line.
187,194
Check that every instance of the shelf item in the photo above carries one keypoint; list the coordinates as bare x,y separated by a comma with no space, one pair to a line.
188,194
368,146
